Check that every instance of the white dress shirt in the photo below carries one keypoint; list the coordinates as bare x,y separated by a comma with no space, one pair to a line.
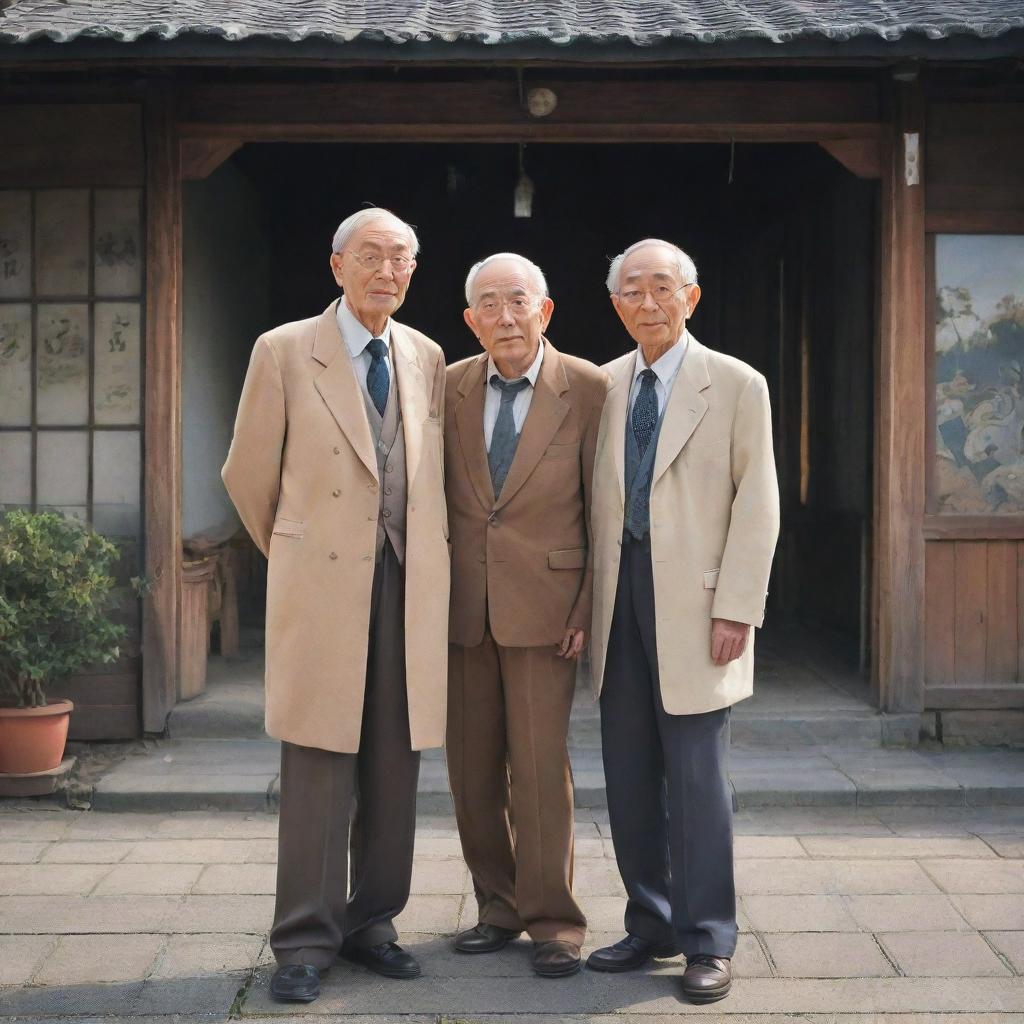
521,404
356,337
666,369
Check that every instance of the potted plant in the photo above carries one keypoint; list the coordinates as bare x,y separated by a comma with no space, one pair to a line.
55,590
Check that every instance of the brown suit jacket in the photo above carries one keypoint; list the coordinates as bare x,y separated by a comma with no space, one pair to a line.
303,475
523,562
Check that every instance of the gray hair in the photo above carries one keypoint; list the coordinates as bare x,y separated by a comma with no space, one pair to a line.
535,273
687,268
372,214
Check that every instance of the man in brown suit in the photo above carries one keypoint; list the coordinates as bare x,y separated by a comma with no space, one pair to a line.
521,428
336,470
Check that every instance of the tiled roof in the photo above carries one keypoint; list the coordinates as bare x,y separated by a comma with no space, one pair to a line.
494,22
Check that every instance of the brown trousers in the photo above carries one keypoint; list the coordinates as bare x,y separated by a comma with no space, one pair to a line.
508,765
318,906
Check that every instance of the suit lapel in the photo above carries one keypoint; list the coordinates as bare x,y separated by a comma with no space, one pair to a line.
615,410
411,394
686,408
339,388
469,422
547,411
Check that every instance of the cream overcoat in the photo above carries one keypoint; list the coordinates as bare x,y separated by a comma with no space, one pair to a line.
714,522
303,475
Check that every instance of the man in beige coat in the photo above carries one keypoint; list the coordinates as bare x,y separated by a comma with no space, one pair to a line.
520,431
336,469
685,519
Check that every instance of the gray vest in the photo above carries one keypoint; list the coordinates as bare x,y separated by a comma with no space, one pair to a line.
639,474
389,445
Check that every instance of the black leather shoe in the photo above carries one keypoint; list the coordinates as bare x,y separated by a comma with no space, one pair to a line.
484,938
556,959
295,983
388,959
707,978
628,954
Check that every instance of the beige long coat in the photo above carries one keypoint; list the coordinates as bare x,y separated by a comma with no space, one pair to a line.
303,476
714,522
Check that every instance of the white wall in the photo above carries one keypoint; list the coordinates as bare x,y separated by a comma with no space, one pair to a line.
226,285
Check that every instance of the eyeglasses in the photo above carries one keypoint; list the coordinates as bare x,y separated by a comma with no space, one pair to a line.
521,305
374,261
660,293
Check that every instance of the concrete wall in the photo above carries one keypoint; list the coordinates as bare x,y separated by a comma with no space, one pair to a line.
226,288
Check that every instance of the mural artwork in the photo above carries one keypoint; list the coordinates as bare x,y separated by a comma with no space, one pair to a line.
979,375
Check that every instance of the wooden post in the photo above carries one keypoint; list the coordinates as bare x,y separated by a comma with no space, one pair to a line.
901,412
163,409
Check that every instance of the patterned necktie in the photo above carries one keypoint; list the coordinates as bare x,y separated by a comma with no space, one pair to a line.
504,437
377,379
645,411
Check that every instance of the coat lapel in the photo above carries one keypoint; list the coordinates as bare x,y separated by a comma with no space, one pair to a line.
686,408
339,388
615,411
547,410
411,394
469,422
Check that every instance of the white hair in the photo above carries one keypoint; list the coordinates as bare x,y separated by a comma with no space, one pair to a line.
534,272
687,268
372,214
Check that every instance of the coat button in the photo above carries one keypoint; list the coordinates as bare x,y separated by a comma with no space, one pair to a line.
371,486
337,450
336,493
481,558
370,519
387,513
334,555
389,469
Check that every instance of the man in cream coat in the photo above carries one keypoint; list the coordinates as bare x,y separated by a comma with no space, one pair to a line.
336,469
685,517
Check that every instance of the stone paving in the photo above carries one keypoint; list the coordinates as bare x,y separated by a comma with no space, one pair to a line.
847,914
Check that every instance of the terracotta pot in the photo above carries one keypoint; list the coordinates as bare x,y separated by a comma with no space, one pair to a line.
32,739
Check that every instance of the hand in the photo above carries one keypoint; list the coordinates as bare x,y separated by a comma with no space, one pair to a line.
728,640
573,643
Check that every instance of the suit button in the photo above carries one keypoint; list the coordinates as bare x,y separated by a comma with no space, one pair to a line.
387,490
336,493
334,555
371,486
370,519
337,450
389,469
481,558
492,519
367,558
387,513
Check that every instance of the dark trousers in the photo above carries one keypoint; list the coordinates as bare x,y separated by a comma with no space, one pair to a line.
669,802
374,791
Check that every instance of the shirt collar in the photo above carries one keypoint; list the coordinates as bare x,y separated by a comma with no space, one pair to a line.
531,374
354,334
667,366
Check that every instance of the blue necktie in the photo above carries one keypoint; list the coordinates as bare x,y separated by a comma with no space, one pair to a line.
377,379
645,411
504,438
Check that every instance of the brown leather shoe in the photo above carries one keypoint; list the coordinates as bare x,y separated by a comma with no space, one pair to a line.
556,959
707,978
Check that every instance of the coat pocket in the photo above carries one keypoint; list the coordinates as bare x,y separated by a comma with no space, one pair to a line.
289,527
711,579
567,558
563,451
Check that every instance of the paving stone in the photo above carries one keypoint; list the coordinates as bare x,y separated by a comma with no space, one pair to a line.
749,960
230,914
597,878
430,914
1007,846
50,879
827,955
810,877
21,955
236,879
1011,945
82,960
205,851
991,913
943,955
41,826
74,1001
149,880
198,956
793,789
41,915
995,875
188,996
938,821
894,913
894,847
798,913
766,847
440,877
86,852
21,853
437,847
829,821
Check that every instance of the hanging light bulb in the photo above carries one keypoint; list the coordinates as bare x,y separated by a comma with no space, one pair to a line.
523,198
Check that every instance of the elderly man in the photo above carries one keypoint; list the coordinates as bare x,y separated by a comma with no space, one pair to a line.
336,471
521,426
685,519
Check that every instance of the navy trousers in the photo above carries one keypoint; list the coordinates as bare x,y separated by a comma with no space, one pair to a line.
669,801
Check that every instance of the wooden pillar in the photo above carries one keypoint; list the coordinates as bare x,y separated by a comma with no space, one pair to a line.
163,409
901,411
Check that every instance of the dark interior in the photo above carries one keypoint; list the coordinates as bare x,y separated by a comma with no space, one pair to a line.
784,241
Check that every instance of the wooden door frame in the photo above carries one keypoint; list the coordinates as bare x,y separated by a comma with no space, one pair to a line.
189,131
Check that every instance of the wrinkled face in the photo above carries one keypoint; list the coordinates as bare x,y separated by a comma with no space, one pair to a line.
652,300
374,286
508,314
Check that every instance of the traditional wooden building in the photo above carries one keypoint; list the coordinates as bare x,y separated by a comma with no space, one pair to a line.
849,177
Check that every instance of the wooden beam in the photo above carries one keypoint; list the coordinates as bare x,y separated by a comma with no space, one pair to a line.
163,410
900,434
862,157
984,696
201,157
